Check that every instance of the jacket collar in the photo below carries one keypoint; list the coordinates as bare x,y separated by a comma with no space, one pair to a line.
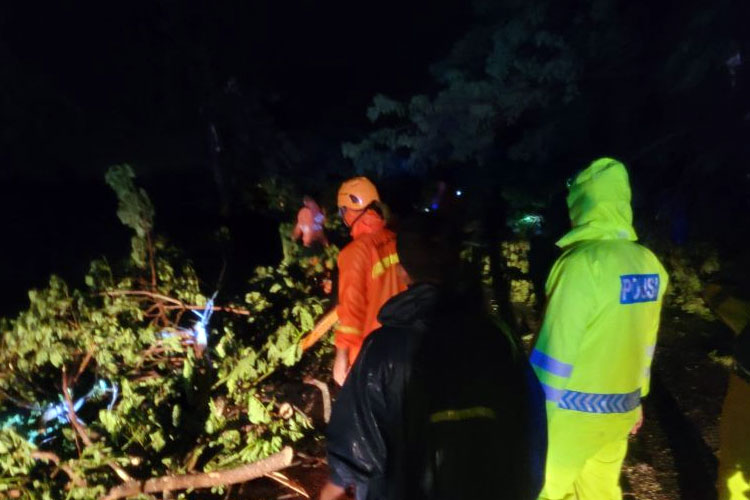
370,222
411,308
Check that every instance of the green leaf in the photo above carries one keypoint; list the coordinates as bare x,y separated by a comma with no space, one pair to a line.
56,358
109,421
307,322
256,412
176,413
157,440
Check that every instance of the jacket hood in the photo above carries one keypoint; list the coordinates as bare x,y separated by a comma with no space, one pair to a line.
599,204
410,308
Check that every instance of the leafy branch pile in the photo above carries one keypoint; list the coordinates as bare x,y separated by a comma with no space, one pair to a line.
137,377
689,271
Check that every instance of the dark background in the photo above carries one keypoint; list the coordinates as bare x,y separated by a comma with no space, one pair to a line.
93,84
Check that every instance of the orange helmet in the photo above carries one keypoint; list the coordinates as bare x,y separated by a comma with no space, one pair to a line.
357,194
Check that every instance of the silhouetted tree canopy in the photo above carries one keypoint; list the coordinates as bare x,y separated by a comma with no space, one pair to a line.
535,90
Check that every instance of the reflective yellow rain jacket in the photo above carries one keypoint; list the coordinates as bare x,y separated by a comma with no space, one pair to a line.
594,351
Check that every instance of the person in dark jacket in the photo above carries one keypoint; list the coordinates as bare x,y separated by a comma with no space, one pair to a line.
440,404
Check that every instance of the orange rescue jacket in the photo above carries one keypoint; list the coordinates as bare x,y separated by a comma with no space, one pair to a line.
367,279
309,226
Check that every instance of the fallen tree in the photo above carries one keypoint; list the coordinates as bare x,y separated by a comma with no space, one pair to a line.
143,382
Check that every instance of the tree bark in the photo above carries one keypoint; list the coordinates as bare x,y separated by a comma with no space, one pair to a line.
326,395
321,328
48,456
240,474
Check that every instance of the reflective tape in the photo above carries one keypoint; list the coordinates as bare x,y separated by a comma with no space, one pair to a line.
552,393
349,330
592,402
379,268
600,403
650,350
550,364
463,414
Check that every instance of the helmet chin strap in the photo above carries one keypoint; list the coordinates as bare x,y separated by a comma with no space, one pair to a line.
362,212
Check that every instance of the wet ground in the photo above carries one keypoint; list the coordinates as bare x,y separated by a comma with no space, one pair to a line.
672,458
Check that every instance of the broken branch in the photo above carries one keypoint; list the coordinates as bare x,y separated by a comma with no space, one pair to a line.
84,364
325,324
81,431
326,394
143,293
48,456
175,303
236,475
285,481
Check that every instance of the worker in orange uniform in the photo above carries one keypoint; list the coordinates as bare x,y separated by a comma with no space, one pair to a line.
310,220
367,271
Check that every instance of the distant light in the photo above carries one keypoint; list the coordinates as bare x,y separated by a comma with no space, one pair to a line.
531,220
734,61
459,193
426,209
434,206
528,222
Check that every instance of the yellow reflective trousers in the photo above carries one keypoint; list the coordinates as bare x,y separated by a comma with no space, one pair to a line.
734,448
585,455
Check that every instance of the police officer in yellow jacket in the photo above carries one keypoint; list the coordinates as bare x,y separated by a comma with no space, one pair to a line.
594,351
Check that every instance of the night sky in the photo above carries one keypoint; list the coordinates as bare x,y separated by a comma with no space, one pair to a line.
87,86
129,81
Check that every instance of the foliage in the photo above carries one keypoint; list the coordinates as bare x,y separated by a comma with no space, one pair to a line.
537,89
134,210
492,78
149,398
17,461
273,193
688,274
516,255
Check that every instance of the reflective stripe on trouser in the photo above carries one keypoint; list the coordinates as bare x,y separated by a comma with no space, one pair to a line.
734,448
585,453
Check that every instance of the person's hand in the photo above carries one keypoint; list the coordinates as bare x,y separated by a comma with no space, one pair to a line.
639,423
341,366
332,492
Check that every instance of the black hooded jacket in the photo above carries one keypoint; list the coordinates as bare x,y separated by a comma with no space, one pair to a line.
440,404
